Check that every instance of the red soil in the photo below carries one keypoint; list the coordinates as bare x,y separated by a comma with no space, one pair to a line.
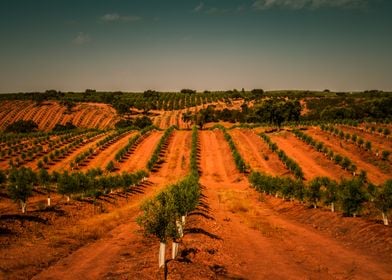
97,260
352,152
176,164
235,233
103,157
139,158
313,163
254,150
64,164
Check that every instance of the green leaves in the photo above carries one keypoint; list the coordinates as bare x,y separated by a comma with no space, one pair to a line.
161,213
21,183
238,160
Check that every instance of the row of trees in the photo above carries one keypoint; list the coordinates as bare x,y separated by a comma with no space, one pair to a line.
343,161
21,182
239,161
158,149
348,195
164,215
354,138
272,111
291,164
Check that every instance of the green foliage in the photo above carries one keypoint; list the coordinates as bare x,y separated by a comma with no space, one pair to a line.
66,127
352,195
239,161
194,152
21,182
155,156
159,217
344,162
385,154
384,197
110,166
277,111
3,177
22,126
161,213
285,186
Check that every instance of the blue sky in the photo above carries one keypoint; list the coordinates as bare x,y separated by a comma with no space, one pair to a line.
168,45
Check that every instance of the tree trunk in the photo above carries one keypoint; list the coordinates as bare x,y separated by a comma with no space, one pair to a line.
385,218
183,220
180,229
68,199
23,205
161,258
332,207
174,249
48,200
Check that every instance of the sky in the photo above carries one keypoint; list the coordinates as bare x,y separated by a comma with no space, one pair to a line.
167,45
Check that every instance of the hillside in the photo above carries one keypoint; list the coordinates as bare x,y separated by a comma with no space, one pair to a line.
48,114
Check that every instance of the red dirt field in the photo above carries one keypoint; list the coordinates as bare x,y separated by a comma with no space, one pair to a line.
139,158
103,157
96,261
349,150
254,150
235,233
313,163
64,164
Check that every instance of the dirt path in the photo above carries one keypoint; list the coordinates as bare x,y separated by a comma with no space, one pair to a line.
313,163
257,153
343,148
106,155
139,158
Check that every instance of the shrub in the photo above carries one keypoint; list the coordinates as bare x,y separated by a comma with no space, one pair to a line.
383,200
22,126
110,167
21,185
385,154
352,196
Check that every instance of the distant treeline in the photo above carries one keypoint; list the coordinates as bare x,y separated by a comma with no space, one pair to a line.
321,105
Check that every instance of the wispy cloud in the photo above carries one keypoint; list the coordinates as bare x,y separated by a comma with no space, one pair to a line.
81,39
199,7
309,4
114,17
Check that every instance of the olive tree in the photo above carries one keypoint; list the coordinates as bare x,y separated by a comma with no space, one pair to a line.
352,196
158,219
383,200
20,187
